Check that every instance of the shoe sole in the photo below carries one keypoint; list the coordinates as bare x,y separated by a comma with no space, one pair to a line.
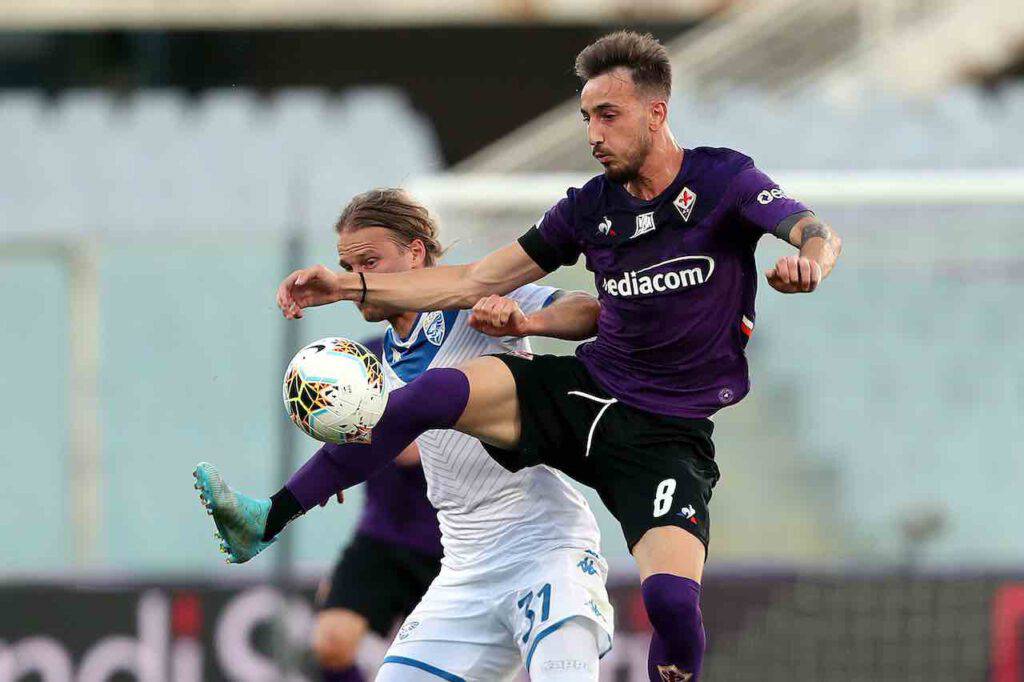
202,475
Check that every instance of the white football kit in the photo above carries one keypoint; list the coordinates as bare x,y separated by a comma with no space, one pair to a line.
521,550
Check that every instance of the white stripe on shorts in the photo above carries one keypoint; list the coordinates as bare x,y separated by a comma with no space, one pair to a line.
608,402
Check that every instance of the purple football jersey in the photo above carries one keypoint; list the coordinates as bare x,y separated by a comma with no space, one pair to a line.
396,509
675,276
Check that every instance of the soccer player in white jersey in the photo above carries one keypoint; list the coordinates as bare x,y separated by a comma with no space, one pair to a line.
522,580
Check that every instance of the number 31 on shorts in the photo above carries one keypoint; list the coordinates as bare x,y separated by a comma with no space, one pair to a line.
663,497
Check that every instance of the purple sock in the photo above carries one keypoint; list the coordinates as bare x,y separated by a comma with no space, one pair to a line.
347,675
677,647
434,400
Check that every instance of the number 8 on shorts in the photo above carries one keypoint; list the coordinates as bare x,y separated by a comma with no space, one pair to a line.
663,497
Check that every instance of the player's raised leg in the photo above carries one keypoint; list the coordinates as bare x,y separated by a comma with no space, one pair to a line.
478,399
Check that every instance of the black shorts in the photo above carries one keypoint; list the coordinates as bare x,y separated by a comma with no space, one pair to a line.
380,581
650,470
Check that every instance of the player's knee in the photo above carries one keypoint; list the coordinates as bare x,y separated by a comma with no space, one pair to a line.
436,398
336,638
673,606
441,379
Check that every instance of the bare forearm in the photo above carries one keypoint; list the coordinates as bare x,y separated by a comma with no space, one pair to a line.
445,287
818,242
573,317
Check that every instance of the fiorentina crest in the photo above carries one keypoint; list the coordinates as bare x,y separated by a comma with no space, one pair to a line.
685,202
671,673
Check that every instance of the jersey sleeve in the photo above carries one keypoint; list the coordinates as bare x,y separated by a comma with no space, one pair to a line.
533,297
552,242
760,201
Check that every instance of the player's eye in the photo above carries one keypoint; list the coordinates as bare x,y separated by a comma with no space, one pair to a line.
345,266
370,262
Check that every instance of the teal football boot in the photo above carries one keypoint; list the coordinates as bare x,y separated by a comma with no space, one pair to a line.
240,519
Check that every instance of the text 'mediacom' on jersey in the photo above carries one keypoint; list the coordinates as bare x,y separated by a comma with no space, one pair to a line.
670,275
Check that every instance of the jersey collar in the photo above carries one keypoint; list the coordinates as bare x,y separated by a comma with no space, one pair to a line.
671,191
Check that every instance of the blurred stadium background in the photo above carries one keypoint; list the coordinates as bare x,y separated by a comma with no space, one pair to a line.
164,164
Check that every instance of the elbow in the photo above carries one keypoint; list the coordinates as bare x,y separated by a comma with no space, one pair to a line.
835,243
474,285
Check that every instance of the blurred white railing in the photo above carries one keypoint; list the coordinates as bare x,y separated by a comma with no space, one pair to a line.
535,192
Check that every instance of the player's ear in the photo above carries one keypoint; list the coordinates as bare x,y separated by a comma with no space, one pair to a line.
658,112
418,251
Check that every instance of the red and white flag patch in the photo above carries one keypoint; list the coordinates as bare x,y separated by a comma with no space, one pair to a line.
746,325
685,202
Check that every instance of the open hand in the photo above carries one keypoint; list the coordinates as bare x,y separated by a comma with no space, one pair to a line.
794,275
499,316
312,286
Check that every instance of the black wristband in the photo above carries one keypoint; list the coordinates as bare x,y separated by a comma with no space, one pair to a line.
362,280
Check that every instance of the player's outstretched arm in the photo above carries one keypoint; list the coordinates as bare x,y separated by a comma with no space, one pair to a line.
445,287
819,246
572,316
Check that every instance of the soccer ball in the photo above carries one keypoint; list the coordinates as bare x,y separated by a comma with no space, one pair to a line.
334,391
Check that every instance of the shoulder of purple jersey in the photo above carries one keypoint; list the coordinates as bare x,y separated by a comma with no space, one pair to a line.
725,158
589,196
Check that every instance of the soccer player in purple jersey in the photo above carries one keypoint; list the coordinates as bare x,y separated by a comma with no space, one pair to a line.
386,568
669,234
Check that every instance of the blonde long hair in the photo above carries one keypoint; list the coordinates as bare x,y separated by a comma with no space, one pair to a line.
395,210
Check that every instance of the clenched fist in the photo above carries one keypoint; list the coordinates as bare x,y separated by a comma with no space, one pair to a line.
794,275
499,316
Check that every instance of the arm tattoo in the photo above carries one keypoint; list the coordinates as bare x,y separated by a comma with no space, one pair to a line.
816,228
813,229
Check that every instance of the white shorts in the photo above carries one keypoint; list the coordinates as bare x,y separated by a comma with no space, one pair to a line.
484,627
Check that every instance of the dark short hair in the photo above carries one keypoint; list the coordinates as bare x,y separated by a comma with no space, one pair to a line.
395,210
641,53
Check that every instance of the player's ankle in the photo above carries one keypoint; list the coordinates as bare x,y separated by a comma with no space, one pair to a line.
283,508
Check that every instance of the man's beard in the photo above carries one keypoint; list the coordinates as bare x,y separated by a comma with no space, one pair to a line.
630,169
